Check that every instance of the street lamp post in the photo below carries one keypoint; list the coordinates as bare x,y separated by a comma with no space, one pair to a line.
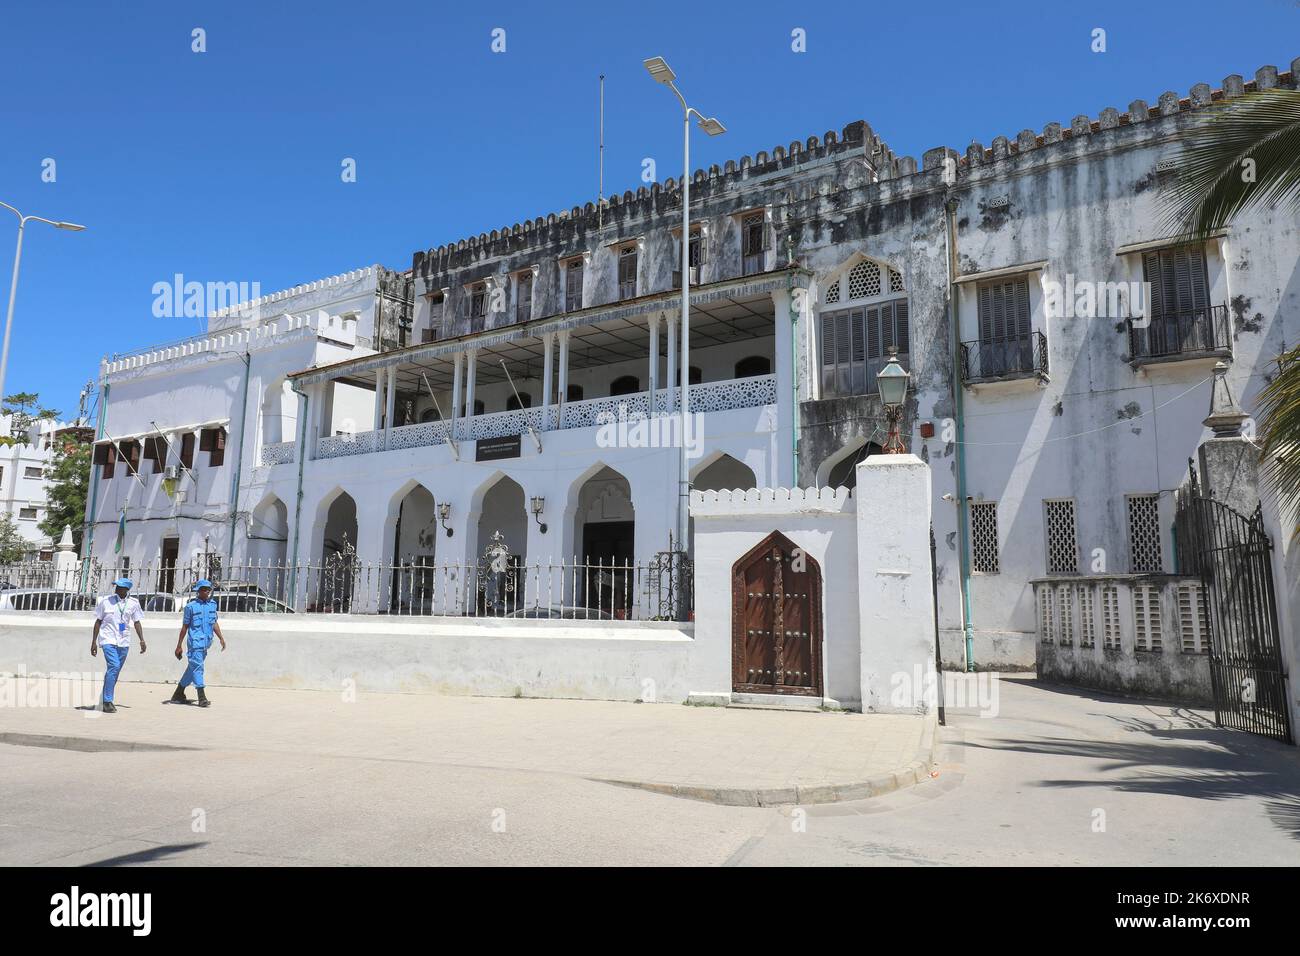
662,73
892,381
13,285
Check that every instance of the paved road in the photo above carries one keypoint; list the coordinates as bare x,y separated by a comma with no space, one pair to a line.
1023,787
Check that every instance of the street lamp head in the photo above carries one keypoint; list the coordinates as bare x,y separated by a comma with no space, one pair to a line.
712,126
660,70
70,226
892,381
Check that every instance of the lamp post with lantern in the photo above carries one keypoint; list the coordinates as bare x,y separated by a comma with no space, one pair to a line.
892,381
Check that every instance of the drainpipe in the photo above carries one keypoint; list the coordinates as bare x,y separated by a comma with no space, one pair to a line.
794,384
963,511
239,461
88,538
297,507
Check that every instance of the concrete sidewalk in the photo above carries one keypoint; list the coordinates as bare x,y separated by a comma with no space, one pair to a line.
729,756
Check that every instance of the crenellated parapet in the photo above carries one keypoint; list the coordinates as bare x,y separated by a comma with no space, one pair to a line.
1169,103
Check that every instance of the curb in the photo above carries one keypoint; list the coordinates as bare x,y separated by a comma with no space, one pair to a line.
915,772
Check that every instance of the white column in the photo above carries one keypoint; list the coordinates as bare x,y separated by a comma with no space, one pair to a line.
671,320
455,394
471,376
380,375
563,382
390,403
895,601
548,343
785,472
654,361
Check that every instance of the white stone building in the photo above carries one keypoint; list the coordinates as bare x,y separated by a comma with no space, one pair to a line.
23,486
1057,409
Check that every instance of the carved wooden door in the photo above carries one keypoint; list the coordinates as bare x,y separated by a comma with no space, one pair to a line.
776,620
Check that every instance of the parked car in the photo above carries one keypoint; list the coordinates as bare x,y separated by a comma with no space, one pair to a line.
563,613
44,599
228,587
226,603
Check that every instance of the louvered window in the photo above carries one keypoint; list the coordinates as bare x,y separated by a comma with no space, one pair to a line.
984,537
573,286
1110,634
1191,618
524,297
1005,343
213,441
187,449
478,301
1144,533
753,238
1062,539
627,273
856,344
1087,616
1065,614
1146,617
1179,316
697,256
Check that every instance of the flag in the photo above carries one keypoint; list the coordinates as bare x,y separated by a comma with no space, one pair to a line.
121,532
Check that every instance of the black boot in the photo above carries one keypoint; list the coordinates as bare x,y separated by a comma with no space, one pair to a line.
109,708
178,696
203,699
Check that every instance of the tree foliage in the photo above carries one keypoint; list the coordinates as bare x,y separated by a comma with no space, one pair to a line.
68,475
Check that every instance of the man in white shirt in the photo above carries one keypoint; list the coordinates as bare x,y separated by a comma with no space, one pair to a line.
114,617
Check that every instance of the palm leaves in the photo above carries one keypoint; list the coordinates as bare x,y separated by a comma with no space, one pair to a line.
1279,407
1246,153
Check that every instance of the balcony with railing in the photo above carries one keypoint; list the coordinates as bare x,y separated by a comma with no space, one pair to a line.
1169,336
1004,359
752,392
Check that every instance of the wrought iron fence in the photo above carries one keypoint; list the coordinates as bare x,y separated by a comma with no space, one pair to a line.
1004,355
1181,333
499,584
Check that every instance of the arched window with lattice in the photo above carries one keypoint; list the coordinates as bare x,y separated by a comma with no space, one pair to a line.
864,318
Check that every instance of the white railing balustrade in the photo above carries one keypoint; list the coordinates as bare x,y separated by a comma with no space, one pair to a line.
339,446
734,393
418,435
751,392
500,424
279,453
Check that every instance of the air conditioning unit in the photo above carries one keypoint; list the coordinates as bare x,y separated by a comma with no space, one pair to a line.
171,473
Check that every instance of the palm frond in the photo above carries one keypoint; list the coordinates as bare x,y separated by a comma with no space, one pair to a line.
1260,130
1279,407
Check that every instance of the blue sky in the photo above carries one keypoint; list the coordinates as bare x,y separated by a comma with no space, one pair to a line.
225,165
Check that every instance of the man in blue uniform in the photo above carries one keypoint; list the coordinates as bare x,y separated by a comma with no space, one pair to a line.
197,627
115,616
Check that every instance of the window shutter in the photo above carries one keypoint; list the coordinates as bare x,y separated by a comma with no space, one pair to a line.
1021,327
187,449
131,450
110,460
218,450
101,454
828,340
902,334
859,335
986,312
874,349
206,438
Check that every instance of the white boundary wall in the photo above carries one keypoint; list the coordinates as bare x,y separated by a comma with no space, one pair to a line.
877,612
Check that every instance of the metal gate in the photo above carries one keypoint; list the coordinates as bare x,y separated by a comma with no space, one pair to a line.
1231,554
776,625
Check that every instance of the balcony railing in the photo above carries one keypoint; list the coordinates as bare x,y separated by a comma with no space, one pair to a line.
1188,333
752,392
1019,356
279,453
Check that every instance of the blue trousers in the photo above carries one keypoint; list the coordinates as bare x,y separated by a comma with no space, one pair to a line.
114,658
194,672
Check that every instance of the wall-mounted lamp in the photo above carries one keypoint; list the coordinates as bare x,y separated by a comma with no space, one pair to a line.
444,512
539,504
